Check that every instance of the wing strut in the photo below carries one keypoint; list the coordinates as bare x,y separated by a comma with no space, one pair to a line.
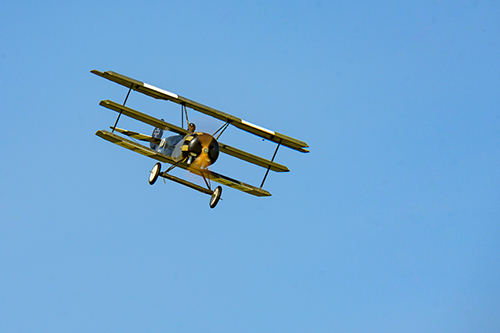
121,111
272,160
223,128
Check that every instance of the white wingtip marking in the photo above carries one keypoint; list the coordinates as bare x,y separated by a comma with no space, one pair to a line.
258,127
160,90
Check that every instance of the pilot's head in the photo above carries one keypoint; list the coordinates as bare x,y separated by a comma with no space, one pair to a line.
191,127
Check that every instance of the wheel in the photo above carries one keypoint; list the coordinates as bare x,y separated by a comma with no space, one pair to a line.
153,176
215,196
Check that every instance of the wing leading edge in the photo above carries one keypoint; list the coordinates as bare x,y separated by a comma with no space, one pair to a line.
159,93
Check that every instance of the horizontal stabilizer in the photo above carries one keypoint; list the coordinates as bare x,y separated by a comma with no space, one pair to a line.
134,146
138,136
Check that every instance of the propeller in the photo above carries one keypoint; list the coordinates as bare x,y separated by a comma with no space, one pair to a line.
201,149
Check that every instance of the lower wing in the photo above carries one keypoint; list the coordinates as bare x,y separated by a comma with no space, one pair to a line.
138,148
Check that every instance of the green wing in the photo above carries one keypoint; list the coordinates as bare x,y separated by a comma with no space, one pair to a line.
226,149
138,148
159,93
143,117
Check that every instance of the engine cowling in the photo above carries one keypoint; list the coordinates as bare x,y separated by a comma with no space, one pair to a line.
201,149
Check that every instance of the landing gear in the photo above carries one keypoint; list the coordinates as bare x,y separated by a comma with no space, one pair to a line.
215,196
153,176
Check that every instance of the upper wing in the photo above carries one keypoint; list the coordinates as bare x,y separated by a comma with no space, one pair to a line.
138,148
238,153
159,93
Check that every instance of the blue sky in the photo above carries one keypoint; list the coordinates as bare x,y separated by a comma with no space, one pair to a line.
390,224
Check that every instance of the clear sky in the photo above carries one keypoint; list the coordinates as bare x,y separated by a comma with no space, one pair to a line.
390,224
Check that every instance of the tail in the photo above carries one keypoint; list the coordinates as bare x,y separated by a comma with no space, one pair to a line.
157,133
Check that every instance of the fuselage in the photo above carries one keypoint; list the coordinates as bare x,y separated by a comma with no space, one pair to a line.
200,149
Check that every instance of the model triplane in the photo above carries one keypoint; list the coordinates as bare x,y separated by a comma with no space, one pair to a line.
189,149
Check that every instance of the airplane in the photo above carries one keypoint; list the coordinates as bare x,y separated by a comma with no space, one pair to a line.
189,149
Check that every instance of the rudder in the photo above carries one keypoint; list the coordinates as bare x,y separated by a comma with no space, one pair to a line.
157,134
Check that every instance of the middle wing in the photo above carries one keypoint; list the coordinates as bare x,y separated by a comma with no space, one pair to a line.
138,148
227,149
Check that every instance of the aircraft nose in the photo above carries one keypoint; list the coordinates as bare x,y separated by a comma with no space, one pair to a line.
213,151
209,153
205,149
203,160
